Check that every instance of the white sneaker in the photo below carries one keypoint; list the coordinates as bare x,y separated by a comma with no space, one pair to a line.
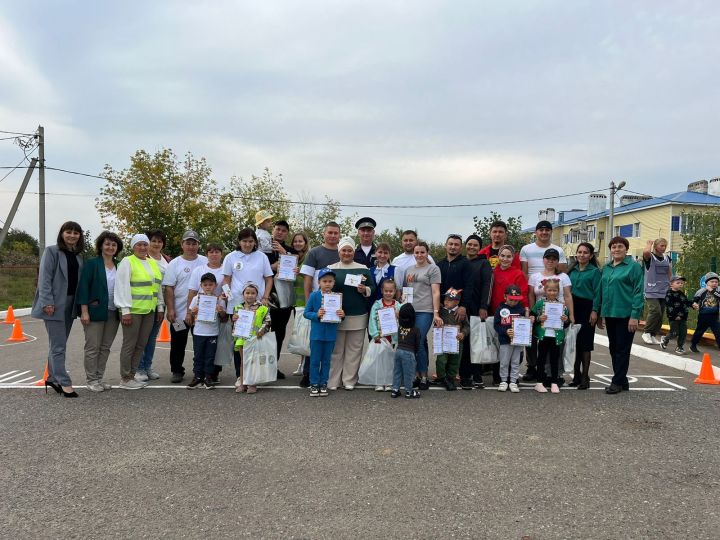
540,387
333,388
647,338
105,385
514,388
141,376
152,375
131,385
238,383
95,387
388,387
349,387
655,340
379,388
502,387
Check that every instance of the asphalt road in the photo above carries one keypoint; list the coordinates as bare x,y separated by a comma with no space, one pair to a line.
169,462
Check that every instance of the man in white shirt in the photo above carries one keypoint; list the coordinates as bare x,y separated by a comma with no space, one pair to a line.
531,255
177,285
406,259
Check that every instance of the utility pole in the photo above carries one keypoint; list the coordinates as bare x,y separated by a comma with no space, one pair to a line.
41,187
18,198
611,213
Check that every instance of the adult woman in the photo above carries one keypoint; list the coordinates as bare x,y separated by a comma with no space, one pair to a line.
506,273
621,304
139,297
658,271
347,354
301,244
54,301
158,238
584,275
424,278
98,314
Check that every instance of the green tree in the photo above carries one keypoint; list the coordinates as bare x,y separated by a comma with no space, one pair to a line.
19,248
393,239
160,191
701,246
265,192
516,237
310,217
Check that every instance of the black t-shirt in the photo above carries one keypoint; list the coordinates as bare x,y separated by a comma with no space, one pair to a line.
73,268
274,256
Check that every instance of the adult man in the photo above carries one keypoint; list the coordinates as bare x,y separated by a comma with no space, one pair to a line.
498,238
283,290
658,271
365,252
531,255
407,258
177,283
321,257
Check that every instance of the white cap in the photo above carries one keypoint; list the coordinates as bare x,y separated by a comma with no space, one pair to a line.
139,238
346,241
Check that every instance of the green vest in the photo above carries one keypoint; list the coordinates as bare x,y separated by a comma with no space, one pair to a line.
143,286
260,314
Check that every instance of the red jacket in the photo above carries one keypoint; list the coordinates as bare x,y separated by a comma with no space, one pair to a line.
494,261
501,280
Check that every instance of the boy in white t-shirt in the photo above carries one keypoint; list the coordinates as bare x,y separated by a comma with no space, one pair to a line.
205,334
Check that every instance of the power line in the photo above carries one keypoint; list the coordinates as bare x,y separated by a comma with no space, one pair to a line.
13,169
18,133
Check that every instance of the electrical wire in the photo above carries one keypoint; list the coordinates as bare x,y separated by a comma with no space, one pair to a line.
18,133
13,169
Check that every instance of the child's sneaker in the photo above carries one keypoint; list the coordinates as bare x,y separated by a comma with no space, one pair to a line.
195,383
680,350
423,385
323,390
238,383
514,388
379,388
693,348
209,384
554,388
502,387
314,391
412,394
663,344
450,384
540,387
394,393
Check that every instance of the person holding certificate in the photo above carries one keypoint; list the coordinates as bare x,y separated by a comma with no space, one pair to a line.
514,330
447,364
383,322
250,318
354,281
551,316
206,310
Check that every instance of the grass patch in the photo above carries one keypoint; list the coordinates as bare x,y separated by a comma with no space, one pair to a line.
17,287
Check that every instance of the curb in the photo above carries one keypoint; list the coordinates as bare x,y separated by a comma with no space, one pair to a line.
663,358
22,312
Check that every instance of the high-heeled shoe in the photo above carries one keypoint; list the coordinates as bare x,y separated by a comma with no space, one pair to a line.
54,386
69,394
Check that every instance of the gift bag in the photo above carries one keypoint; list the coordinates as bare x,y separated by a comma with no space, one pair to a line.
570,346
260,359
377,365
284,292
483,341
300,338
225,345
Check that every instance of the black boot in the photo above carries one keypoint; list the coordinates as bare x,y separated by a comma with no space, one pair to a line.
450,384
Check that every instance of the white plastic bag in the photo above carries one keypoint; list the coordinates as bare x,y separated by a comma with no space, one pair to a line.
570,347
484,345
377,365
260,359
300,338
225,345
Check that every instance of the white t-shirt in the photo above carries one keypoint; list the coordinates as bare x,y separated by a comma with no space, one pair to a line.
405,260
178,275
200,271
244,267
264,240
204,328
161,262
532,254
535,282
110,276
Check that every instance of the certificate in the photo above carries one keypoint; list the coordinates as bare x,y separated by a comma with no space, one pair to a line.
387,321
554,311
287,266
407,295
244,323
522,331
207,307
437,340
331,303
353,280
450,339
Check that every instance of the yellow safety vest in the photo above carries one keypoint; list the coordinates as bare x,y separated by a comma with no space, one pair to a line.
144,287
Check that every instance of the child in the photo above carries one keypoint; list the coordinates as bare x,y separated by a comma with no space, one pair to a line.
260,327
322,334
389,292
707,300
550,340
509,354
205,335
408,347
676,304
264,224
447,364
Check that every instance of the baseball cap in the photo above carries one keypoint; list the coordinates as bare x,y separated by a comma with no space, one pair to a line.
190,235
544,224
513,292
551,253
324,272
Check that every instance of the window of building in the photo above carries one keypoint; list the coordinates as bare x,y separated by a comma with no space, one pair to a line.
625,231
591,233
675,224
636,230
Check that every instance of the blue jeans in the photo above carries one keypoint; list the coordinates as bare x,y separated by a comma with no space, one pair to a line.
147,358
423,322
404,370
204,348
320,356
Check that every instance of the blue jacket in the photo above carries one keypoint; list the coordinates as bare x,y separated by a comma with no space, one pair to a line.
319,331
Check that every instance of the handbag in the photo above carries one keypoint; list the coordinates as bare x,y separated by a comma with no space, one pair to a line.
299,342
260,359
484,346
377,365
225,345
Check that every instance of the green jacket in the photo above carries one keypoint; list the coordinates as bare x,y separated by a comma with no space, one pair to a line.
621,289
353,302
586,284
92,289
538,329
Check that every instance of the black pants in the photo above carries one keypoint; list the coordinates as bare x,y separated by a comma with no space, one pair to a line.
532,354
279,318
678,329
548,351
178,342
468,370
705,321
620,342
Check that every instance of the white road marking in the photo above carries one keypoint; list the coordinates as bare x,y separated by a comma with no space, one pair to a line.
17,374
9,372
29,340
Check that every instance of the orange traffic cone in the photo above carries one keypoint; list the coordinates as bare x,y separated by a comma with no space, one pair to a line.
44,378
706,372
164,336
10,316
17,332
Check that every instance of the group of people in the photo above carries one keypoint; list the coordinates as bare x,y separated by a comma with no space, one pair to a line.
494,283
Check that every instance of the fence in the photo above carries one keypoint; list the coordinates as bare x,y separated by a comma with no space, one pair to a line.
17,286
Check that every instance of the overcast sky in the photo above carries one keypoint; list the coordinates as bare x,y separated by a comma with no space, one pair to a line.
413,102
